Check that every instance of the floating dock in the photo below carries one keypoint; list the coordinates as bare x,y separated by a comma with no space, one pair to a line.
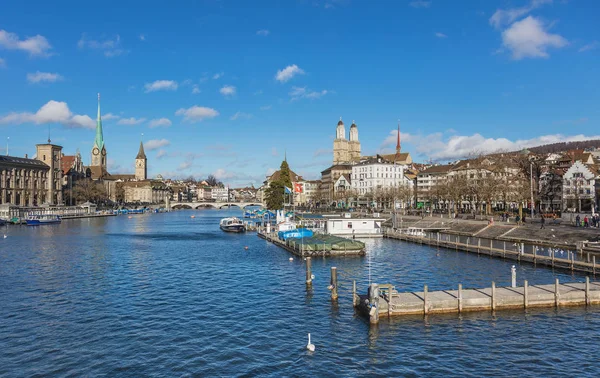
307,248
384,300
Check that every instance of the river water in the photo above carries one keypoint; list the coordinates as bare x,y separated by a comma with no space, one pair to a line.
168,295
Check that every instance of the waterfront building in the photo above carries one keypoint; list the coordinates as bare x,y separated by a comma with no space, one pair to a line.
145,191
344,150
429,179
329,177
581,184
377,173
220,194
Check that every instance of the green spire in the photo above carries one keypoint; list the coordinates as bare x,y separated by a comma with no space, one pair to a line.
99,141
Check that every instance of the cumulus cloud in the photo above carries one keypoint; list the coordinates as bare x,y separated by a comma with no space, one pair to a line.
447,148
142,37
240,115
110,116
420,4
266,107
227,90
263,32
130,121
36,46
161,154
195,89
161,85
288,72
155,144
218,75
2,63
51,112
441,35
158,122
39,77
503,17
197,113
302,92
528,38
110,47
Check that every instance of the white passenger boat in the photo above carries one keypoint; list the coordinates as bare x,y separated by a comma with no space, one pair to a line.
41,219
232,224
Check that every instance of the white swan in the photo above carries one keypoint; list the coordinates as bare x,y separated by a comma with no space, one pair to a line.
5,236
310,346
291,259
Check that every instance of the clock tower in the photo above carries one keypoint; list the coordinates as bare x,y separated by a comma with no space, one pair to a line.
99,149
141,164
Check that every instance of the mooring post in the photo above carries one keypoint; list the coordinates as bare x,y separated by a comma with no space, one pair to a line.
438,239
478,244
553,257
354,301
504,250
374,303
572,260
513,276
556,293
525,294
587,290
493,296
491,247
588,257
459,298
334,288
534,253
308,272
425,299
594,264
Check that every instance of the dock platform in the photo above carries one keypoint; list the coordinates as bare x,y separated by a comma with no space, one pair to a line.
298,250
384,300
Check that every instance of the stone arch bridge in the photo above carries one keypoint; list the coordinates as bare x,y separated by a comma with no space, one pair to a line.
215,205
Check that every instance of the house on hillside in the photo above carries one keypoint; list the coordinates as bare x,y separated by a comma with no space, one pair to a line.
581,188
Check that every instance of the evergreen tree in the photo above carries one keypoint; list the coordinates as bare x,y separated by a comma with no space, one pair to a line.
275,196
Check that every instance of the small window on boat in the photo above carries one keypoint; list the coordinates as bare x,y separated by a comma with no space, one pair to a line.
349,224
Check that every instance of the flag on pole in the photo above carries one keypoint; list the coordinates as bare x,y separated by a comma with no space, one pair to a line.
288,190
298,187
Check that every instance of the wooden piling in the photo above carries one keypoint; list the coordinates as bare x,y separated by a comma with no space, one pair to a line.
491,247
493,296
556,294
594,264
334,289
587,291
478,244
525,294
354,297
553,258
572,260
374,303
459,298
504,250
534,253
308,272
425,299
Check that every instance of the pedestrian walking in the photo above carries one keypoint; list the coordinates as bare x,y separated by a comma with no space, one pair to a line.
543,222
577,220
586,221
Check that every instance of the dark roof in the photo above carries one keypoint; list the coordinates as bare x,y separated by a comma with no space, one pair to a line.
141,154
24,162
340,122
293,176
123,177
438,169
99,172
338,166
353,125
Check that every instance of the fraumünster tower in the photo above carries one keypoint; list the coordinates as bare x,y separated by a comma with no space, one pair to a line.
99,149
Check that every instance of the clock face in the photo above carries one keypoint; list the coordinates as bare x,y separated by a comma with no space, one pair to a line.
96,151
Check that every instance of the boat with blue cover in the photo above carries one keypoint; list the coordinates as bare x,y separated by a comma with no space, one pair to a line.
42,219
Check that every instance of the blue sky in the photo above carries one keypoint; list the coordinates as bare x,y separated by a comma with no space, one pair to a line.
225,87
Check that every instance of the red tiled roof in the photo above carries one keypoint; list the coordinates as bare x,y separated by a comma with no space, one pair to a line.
67,163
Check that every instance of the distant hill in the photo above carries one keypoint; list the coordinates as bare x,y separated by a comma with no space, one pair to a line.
564,146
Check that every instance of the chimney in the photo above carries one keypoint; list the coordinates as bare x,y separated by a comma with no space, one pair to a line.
26,156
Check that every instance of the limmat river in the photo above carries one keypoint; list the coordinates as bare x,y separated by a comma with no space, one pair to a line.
170,295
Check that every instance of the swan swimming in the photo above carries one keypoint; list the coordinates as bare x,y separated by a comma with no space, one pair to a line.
310,346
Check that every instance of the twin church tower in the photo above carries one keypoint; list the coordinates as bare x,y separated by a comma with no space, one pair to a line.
99,156
346,151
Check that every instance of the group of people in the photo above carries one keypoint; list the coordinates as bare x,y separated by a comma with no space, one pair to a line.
592,221
518,219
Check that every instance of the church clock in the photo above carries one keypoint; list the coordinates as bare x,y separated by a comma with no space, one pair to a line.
95,151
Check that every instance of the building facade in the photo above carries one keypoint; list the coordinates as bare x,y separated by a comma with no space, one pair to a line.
344,150
580,188
377,173
145,192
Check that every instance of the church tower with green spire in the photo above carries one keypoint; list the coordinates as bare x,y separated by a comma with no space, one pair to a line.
99,149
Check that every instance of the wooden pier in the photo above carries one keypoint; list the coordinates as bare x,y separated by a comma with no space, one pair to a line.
384,300
573,260
299,251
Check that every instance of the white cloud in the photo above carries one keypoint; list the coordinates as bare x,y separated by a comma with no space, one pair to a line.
440,148
109,116
218,75
158,122
130,121
263,32
51,112
420,4
161,85
160,154
36,46
240,115
441,35
185,165
266,107
227,90
302,92
590,46
528,39
142,37
197,113
195,89
288,72
155,144
503,17
2,63
110,47
39,77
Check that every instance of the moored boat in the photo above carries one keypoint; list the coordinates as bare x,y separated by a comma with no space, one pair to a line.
41,219
232,224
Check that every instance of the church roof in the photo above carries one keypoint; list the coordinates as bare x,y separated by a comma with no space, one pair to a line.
99,140
141,154
340,122
353,125
67,163
293,176
99,172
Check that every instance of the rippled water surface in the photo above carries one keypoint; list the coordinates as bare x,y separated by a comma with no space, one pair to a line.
168,295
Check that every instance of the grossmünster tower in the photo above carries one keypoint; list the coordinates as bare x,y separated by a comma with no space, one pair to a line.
99,149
